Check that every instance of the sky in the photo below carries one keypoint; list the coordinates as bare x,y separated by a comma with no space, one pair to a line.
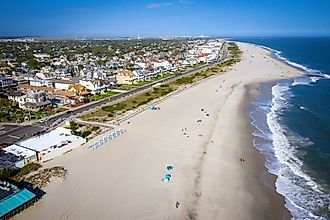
114,18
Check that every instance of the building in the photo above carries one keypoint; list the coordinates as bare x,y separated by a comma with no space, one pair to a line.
41,82
125,77
62,84
34,100
96,86
9,160
79,90
46,146
42,57
7,84
27,87
66,97
13,199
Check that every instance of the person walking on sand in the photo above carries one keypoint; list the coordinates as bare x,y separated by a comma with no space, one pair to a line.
177,204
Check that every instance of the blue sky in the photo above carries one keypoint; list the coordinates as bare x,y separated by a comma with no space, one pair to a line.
164,18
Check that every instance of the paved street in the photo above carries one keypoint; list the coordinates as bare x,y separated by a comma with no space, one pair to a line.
16,133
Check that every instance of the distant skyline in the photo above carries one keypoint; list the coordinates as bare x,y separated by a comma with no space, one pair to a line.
110,18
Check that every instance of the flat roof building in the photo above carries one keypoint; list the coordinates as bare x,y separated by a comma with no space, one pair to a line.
46,146
13,199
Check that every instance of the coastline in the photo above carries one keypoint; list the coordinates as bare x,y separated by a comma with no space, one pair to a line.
209,179
267,179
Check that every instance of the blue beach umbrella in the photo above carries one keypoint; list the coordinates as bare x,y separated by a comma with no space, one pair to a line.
167,178
169,167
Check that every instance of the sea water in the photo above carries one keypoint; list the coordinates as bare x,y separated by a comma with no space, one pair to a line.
291,121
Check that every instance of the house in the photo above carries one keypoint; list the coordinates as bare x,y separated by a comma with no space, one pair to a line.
165,65
63,73
41,57
125,77
27,87
41,82
66,97
62,84
34,100
46,75
79,90
141,65
7,84
96,86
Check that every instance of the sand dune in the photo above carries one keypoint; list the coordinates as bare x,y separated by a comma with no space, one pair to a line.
123,178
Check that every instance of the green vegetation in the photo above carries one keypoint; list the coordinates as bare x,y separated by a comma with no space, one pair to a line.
103,96
73,126
9,112
234,52
60,110
84,130
19,173
26,170
86,133
95,128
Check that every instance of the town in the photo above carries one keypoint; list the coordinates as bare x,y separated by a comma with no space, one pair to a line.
45,83
42,78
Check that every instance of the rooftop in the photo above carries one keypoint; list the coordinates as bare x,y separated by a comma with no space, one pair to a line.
44,143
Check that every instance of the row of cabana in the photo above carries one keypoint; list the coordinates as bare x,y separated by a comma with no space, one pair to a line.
106,138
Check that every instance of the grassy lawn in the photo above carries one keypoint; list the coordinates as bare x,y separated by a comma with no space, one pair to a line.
141,83
154,79
125,88
60,109
103,96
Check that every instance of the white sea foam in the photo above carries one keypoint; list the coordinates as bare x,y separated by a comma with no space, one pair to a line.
304,197
302,81
303,194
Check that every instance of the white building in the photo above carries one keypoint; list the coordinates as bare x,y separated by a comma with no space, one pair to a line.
46,146
42,57
62,84
96,86
33,100
41,82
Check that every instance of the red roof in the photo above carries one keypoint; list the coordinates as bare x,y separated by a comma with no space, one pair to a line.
201,55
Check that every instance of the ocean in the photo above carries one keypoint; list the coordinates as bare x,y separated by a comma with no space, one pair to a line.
291,125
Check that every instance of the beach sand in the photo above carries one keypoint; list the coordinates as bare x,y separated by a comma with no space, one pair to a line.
123,178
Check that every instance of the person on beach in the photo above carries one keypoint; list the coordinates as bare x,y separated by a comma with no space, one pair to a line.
177,204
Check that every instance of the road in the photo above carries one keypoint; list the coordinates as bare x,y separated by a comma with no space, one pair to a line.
23,132
18,133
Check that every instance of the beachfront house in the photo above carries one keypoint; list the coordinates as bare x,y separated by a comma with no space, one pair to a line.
33,100
62,84
125,77
96,86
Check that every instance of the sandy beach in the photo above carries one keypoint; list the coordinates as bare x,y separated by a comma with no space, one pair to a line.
123,178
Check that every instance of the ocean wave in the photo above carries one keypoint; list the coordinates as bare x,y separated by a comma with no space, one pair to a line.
316,74
304,198
302,81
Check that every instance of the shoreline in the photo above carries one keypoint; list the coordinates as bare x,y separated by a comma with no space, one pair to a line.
122,179
266,178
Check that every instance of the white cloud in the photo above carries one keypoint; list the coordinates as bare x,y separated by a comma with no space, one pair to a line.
153,5
158,5
186,2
